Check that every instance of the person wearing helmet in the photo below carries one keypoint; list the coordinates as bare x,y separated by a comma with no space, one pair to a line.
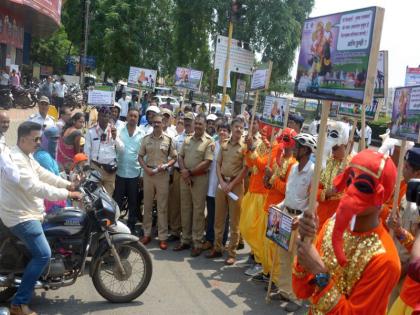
147,128
295,203
351,268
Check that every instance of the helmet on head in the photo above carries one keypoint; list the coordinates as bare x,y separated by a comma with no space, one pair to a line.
306,140
153,108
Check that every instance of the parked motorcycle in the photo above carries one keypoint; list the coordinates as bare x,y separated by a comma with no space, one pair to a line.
6,98
22,98
120,266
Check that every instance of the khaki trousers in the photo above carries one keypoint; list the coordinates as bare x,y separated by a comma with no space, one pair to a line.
193,201
108,180
174,207
224,206
156,185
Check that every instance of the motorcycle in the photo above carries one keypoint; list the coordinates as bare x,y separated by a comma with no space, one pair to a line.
120,266
5,97
22,98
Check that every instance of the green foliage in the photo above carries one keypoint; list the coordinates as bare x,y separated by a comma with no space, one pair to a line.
52,51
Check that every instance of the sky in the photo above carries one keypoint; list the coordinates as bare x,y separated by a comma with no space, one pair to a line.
400,32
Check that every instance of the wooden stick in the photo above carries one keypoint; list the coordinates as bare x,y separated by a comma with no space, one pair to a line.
399,177
286,116
273,264
254,110
351,137
362,141
319,150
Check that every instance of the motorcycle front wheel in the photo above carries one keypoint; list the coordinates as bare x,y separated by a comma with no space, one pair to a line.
117,287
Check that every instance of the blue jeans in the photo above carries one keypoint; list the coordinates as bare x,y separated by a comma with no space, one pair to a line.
211,213
32,235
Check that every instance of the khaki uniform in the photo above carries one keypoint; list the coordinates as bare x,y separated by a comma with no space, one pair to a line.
193,198
231,159
158,151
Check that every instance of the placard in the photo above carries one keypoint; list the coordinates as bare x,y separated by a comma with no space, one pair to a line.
98,98
338,56
355,110
188,78
412,76
274,110
406,114
146,77
241,60
259,79
279,227
381,79
240,91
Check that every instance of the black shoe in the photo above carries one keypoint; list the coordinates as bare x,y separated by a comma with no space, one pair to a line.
260,278
240,246
172,238
274,288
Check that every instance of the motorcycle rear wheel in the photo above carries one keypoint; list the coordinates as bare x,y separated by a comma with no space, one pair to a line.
6,293
107,278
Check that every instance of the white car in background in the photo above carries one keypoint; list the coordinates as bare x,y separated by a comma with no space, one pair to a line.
160,100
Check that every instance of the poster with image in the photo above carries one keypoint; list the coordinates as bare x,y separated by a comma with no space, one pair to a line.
406,114
335,55
279,227
355,110
240,90
381,79
145,77
412,76
188,78
274,110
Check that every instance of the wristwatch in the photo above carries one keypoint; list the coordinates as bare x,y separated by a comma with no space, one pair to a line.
321,279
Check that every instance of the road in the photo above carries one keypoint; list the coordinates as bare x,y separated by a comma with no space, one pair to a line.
180,284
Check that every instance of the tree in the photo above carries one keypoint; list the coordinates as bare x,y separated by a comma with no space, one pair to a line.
52,51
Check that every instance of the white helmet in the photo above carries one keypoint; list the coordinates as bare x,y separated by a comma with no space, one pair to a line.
306,140
153,108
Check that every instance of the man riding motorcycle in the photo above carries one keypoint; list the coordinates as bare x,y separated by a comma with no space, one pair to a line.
22,207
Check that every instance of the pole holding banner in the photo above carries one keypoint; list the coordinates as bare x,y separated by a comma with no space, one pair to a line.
254,110
362,140
399,177
227,66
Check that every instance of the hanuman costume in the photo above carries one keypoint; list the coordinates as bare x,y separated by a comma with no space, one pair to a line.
363,267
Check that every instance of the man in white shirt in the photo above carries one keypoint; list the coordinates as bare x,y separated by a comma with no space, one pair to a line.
368,135
150,112
296,201
124,106
168,128
22,208
42,117
4,126
59,91
100,147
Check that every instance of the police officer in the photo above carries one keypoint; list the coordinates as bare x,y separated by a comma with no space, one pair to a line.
42,117
157,154
175,189
231,170
194,160
101,148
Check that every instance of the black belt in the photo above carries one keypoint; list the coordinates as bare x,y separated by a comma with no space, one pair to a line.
294,211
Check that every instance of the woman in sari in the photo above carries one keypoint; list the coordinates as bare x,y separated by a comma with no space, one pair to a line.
70,142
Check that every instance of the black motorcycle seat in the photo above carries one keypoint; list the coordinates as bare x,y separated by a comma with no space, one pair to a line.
5,231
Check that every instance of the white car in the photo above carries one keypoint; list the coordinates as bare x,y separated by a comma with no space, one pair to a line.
160,100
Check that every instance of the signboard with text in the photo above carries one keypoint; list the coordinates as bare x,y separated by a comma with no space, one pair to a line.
335,56
100,98
406,114
412,76
355,110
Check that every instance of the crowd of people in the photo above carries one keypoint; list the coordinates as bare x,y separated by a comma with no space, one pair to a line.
212,181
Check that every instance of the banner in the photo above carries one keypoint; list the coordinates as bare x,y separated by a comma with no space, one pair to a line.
240,91
279,227
259,79
274,110
406,114
241,58
355,110
381,79
188,78
335,55
145,77
412,76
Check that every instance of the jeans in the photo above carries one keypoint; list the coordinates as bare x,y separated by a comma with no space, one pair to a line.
128,187
211,213
32,235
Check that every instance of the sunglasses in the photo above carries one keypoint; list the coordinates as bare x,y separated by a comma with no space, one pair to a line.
36,139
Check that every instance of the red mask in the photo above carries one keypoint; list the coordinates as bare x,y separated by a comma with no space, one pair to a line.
368,181
286,138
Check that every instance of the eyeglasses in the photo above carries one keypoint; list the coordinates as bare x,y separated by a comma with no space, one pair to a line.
36,139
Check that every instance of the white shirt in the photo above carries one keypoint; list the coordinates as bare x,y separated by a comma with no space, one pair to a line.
297,187
60,89
179,141
119,124
368,134
4,79
24,201
213,180
124,107
102,152
46,122
313,127
3,144
171,132
147,129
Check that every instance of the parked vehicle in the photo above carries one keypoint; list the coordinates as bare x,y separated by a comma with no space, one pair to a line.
160,100
120,266
6,98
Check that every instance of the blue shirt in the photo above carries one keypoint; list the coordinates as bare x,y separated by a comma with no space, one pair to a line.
127,156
